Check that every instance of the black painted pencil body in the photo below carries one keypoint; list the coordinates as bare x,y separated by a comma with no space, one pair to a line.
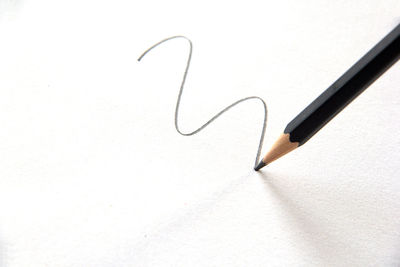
352,83
345,89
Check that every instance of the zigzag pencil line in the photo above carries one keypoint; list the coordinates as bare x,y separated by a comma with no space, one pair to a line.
219,113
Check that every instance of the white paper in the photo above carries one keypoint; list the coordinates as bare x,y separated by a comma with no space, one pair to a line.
93,172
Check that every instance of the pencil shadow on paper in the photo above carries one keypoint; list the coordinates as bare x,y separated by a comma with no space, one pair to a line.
300,218
333,224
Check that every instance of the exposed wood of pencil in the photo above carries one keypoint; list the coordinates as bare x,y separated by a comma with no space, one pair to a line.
281,147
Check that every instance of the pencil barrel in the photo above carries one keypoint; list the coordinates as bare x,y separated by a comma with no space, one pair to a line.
351,84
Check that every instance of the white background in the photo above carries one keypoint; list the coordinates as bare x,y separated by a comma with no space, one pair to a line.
93,173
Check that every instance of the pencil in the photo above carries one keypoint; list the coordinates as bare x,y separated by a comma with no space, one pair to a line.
344,90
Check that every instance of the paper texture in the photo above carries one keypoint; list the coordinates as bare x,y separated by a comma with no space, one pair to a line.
93,172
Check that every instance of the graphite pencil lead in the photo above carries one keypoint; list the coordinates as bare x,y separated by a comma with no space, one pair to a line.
260,165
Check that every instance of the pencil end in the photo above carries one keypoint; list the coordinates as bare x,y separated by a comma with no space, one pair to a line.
260,165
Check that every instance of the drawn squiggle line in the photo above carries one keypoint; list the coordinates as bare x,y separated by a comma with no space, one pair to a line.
219,113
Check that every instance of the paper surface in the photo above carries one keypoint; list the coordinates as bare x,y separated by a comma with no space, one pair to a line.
93,172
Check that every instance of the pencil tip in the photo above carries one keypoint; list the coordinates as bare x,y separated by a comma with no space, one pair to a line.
260,165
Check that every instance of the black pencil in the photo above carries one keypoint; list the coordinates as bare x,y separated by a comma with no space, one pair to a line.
352,83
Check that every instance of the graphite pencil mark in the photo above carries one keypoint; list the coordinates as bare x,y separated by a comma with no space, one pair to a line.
219,113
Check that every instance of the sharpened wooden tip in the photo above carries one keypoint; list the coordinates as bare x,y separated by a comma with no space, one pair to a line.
281,147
